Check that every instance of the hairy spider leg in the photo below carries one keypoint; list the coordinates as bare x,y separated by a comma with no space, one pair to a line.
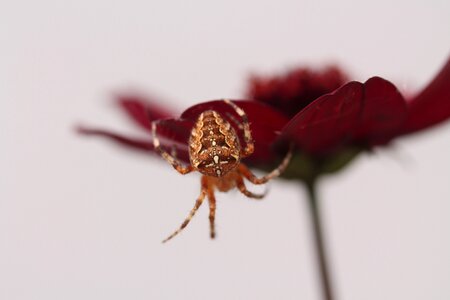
198,203
235,121
169,158
249,146
212,212
243,189
173,152
275,172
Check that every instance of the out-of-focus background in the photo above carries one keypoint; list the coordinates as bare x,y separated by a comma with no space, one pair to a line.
81,219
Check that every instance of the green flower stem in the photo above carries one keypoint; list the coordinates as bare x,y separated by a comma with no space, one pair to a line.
319,243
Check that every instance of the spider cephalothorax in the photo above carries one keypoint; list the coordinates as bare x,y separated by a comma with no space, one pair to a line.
215,151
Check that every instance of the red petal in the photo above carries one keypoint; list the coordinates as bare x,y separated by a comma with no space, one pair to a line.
137,144
265,123
383,112
174,131
327,122
142,111
432,105
173,135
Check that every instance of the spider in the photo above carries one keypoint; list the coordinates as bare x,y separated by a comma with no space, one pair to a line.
215,152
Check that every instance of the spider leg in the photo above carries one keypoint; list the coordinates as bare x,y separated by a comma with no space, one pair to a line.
190,216
243,189
275,172
204,191
212,212
173,152
234,120
169,158
249,146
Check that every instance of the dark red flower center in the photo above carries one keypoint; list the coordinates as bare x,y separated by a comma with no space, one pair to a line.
293,91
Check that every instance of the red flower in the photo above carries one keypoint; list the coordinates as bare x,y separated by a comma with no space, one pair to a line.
329,122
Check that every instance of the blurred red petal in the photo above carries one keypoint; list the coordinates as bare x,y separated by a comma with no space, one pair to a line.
327,122
292,91
265,123
172,133
137,144
142,111
432,105
383,112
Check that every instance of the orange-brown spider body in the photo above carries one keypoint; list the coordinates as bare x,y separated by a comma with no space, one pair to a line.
214,148
215,151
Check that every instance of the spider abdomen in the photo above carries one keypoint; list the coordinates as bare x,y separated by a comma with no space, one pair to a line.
213,145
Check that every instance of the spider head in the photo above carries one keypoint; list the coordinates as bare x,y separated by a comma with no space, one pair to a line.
214,148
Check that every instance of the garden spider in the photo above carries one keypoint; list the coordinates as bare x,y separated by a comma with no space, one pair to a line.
215,151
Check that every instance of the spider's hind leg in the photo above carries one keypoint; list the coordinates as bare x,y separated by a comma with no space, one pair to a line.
244,171
243,189
198,203
249,145
212,212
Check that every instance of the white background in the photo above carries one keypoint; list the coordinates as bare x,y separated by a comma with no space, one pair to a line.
81,219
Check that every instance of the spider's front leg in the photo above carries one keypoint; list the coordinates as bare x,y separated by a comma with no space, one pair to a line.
249,145
169,158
